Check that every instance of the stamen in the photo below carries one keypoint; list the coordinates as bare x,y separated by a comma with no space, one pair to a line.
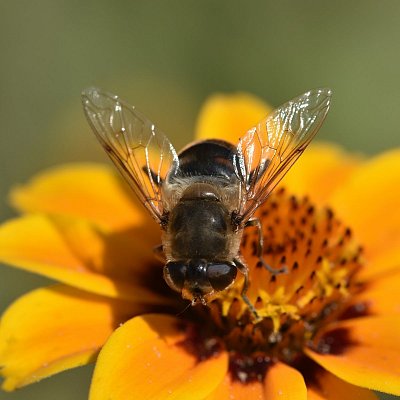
321,260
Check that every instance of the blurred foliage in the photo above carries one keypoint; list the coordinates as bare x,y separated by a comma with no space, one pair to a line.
166,58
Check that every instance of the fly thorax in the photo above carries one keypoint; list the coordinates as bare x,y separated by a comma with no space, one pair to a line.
199,225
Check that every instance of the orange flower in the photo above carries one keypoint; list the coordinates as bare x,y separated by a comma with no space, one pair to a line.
328,328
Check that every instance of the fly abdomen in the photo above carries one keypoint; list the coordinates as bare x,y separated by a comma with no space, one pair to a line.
209,158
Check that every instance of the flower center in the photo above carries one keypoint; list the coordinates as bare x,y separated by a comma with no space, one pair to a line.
322,260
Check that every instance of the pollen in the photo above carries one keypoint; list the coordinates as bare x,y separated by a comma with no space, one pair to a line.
321,260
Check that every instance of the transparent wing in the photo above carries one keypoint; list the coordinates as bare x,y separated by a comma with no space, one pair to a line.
141,152
268,150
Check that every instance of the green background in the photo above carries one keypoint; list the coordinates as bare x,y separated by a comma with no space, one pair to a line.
166,57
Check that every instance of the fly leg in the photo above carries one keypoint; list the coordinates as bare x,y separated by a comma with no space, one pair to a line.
245,271
260,246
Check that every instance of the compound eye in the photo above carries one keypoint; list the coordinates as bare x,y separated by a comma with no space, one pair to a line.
175,275
221,275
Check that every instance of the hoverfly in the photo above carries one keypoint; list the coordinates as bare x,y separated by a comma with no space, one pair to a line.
204,196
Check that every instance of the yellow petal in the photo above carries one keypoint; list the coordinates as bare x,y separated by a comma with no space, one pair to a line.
228,117
120,255
53,329
320,171
380,297
34,243
89,191
147,358
369,203
284,382
362,351
325,386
